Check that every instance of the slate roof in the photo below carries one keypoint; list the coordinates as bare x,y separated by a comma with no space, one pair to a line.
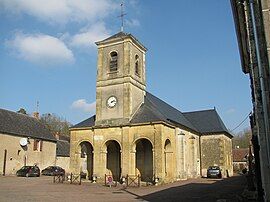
206,121
154,109
23,125
117,35
122,35
86,123
62,148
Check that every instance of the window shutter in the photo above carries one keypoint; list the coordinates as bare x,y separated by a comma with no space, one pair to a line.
41,144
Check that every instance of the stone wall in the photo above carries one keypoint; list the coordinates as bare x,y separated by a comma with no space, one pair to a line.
216,150
63,162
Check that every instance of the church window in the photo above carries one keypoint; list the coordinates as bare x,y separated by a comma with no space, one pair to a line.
113,61
137,71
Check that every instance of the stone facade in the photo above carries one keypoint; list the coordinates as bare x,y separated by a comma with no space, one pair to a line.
216,150
18,156
163,138
252,24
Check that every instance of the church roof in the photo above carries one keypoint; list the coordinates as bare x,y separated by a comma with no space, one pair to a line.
23,125
154,109
121,36
117,35
86,123
207,121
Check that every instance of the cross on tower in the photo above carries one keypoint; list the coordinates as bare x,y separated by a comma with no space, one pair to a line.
122,16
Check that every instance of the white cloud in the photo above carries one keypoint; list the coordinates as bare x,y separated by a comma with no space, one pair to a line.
88,36
230,111
81,104
61,11
40,48
133,23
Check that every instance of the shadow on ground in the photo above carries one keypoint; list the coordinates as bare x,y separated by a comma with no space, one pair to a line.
228,190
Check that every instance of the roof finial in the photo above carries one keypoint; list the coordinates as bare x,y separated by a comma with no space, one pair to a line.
122,16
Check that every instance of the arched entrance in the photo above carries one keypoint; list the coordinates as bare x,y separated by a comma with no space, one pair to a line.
144,159
87,159
168,158
113,163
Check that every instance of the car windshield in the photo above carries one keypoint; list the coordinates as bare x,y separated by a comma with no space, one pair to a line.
213,168
49,168
25,168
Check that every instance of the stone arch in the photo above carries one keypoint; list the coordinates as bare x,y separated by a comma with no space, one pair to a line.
137,65
113,63
86,150
144,159
113,158
104,144
168,157
136,140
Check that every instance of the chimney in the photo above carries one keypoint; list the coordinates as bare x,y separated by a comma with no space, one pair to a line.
36,115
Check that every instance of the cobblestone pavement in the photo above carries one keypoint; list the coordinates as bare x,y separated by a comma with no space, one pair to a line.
14,188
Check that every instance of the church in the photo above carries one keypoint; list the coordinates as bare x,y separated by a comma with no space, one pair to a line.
136,133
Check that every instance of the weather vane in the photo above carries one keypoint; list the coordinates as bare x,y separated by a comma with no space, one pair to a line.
122,16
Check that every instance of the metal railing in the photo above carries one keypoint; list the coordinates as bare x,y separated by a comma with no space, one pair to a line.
58,178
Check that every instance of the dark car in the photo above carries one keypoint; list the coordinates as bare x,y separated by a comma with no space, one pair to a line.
214,171
29,171
53,170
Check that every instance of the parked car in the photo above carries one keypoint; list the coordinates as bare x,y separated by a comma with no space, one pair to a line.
28,171
214,171
53,170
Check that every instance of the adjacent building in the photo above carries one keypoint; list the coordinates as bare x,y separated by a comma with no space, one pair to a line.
136,133
240,159
252,23
24,140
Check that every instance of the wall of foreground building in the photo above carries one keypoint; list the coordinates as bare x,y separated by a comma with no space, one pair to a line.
252,23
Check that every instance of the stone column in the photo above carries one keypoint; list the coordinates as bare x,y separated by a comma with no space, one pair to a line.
180,154
125,154
132,166
158,153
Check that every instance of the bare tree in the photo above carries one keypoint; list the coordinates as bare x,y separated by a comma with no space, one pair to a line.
242,139
56,124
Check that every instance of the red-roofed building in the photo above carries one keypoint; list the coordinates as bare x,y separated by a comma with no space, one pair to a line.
240,159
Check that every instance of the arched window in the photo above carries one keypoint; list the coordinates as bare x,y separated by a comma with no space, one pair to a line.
137,71
113,61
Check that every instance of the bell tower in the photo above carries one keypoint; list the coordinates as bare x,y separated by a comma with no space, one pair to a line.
120,87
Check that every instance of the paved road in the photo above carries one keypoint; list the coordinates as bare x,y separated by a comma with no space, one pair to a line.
43,189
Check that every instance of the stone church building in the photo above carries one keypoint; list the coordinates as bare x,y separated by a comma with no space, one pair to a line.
134,132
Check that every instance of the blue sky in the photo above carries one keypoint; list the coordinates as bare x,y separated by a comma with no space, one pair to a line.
47,54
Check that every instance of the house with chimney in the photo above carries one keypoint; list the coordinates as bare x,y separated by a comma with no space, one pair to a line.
24,140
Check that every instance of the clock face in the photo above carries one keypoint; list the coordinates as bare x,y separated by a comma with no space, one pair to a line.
111,102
